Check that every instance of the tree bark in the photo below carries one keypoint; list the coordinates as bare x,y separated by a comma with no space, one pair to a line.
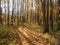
51,16
0,13
45,17
12,12
8,13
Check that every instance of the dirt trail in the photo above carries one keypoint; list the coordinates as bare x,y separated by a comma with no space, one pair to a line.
28,36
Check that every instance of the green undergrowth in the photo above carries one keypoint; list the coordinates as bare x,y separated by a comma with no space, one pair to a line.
8,36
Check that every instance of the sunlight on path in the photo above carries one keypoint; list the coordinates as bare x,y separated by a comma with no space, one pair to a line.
30,37
23,32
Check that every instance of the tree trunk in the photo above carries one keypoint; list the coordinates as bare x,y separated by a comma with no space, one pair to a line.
0,13
45,17
51,16
12,12
8,13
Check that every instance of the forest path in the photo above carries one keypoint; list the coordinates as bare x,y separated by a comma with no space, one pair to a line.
30,37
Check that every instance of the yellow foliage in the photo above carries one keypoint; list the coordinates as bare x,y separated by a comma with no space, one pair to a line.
49,37
46,35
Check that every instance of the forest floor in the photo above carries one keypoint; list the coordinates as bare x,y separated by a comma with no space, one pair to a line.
28,36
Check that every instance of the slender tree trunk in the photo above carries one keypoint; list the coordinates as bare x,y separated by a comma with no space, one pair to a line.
12,13
5,10
0,13
8,13
47,13
27,11
51,16
38,16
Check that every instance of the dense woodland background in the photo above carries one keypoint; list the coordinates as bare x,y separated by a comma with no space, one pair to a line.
45,13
